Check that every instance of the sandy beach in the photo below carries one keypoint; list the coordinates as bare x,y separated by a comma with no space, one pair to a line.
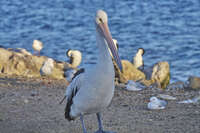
32,106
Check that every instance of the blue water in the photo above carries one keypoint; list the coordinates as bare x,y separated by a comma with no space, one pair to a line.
169,30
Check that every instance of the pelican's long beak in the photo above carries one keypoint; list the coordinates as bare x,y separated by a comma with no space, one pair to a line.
106,33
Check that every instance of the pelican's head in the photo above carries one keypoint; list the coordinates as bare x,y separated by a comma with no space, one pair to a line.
69,53
141,51
75,57
101,22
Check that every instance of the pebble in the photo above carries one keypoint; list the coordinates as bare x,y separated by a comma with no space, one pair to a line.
193,100
34,93
166,97
26,101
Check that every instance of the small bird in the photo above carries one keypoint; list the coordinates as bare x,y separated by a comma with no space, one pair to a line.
37,46
91,91
137,60
156,103
75,57
47,67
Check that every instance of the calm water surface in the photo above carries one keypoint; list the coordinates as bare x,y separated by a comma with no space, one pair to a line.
167,30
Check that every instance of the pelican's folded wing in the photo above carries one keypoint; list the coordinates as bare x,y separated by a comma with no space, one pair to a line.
71,91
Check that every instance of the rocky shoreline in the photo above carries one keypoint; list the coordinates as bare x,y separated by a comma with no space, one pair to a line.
29,102
20,62
31,105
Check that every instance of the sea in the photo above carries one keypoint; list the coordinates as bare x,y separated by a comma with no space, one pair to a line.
168,30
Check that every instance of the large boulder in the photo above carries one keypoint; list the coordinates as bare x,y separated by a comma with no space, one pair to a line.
130,72
161,74
194,82
27,65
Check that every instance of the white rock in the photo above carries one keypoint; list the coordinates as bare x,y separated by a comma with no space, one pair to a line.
134,86
166,97
193,100
156,103
26,101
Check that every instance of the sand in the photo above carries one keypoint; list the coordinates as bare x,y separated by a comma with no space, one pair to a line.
32,106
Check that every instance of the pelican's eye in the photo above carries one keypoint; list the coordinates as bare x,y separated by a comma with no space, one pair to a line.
100,20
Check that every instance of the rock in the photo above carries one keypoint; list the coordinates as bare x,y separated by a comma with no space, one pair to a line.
193,100
20,50
177,85
26,65
161,74
26,101
130,72
166,97
194,82
134,86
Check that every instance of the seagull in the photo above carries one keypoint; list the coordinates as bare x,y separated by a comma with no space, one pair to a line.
37,46
91,91
137,60
47,67
75,57
156,103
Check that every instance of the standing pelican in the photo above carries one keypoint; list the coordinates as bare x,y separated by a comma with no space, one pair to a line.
37,46
137,60
92,90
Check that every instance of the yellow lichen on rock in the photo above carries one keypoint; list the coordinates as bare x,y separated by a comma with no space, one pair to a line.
20,64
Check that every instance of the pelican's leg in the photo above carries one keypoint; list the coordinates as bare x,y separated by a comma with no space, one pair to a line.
99,122
101,126
83,125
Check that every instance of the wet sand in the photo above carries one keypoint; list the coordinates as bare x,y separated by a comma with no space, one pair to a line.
32,106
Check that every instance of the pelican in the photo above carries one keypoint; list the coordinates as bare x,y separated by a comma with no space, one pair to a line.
37,46
92,90
137,60
75,57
